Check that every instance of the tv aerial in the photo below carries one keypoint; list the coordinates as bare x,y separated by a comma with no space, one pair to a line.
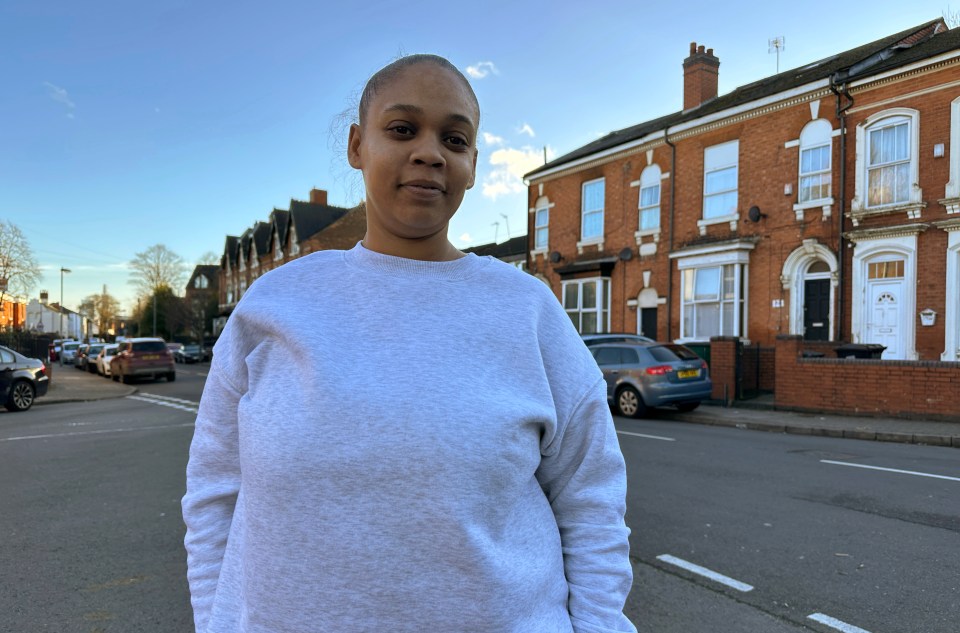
775,45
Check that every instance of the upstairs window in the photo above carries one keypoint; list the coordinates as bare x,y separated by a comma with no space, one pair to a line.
201,282
815,158
541,228
720,167
888,161
591,226
650,199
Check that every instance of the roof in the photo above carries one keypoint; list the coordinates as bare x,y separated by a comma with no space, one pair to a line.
280,220
210,271
261,237
309,218
513,246
900,49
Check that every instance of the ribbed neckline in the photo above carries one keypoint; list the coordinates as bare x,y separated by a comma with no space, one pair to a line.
453,270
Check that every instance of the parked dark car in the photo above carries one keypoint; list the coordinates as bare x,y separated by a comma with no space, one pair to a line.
142,357
614,337
22,380
88,359
641,376
191,354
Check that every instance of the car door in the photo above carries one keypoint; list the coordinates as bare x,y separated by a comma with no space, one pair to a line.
608,359
8,364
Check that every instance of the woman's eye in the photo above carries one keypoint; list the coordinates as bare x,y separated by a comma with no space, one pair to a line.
401,129
456,140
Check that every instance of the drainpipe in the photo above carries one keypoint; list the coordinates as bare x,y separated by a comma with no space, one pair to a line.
673,191
839,89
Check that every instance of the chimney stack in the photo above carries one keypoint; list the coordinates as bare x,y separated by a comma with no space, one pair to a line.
701,72
318,196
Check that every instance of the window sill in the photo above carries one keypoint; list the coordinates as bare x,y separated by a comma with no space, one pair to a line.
913,209
538,251
595,241
952,205
732,218
646,233
824,203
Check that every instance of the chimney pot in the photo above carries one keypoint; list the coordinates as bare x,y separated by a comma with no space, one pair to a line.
710,52
693,47
700,48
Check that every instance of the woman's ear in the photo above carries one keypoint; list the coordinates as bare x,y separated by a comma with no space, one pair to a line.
353,147
473,174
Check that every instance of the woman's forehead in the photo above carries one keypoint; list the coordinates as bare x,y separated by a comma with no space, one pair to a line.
426,87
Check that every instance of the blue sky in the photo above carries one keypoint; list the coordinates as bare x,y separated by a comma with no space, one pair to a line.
124,125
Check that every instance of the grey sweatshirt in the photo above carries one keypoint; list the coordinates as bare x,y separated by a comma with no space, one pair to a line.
387,444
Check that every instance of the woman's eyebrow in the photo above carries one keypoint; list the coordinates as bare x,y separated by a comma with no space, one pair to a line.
412,109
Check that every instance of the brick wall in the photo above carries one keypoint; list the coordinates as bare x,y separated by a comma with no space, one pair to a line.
910,389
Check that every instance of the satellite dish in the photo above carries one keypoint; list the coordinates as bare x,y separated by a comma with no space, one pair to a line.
555,256
754,214
626,254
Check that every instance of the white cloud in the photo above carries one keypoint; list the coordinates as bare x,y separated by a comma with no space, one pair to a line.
465,238
509,165
59,94
482,69
492,139
526,129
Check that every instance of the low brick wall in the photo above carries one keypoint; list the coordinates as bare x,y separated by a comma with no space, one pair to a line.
909,389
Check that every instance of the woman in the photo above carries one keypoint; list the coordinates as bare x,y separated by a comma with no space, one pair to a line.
402,437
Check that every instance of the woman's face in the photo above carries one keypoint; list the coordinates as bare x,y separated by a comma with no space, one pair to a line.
417,149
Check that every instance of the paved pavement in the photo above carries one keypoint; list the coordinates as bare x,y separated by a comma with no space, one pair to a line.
70,385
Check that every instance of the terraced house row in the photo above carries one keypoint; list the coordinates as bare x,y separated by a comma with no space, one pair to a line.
822,202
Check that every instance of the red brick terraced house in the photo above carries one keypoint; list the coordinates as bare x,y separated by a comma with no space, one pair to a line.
305,227
820,205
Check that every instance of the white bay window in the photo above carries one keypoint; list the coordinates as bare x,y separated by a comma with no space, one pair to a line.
587,303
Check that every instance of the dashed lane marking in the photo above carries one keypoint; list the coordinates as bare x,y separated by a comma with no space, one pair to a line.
649,437
836,624
891,470
97,432
706,573
173,403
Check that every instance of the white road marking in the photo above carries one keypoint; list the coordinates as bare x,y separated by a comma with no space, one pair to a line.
164,403
836,624
649,437
180,400
707,573
138,428
891,470
201,373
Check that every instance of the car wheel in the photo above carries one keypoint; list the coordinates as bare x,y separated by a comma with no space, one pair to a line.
171,376
687,406
629,403
125,379
21,396
116,377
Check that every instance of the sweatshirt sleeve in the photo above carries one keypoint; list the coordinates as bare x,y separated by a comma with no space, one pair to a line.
213,484
582,472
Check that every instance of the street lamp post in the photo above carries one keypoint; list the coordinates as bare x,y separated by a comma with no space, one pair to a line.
62,270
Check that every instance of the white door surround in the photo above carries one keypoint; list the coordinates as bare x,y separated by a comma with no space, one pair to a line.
878,246
794,273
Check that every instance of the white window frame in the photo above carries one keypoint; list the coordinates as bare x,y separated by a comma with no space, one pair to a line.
541,229
714,162
951,350
913,205
649,179
584,212
734,253
200,282
277,249
602,309
952,200
815,135
292,242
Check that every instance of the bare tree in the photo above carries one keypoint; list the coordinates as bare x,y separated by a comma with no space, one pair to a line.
209,258
951,17
156,268
101,308
19,272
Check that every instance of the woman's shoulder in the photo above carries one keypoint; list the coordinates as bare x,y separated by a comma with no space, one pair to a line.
507,277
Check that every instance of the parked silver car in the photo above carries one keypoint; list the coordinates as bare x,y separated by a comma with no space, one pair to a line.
642,375
614,337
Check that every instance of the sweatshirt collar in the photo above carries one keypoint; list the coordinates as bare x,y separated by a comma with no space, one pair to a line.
454,270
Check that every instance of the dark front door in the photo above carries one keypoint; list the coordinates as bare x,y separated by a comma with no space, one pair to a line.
648,322
816,309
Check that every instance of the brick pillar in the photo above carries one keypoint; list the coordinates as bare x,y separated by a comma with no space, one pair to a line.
723,367
785,367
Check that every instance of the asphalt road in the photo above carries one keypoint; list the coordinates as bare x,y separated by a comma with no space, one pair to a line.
91,534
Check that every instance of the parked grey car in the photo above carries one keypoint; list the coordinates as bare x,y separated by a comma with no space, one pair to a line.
69,351
614,337
22,380
642,375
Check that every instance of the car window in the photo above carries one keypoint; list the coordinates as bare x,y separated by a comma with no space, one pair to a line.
629,356
149,346
6,356
608,356
672,353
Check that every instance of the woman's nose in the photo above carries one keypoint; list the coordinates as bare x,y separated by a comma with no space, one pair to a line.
427,151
